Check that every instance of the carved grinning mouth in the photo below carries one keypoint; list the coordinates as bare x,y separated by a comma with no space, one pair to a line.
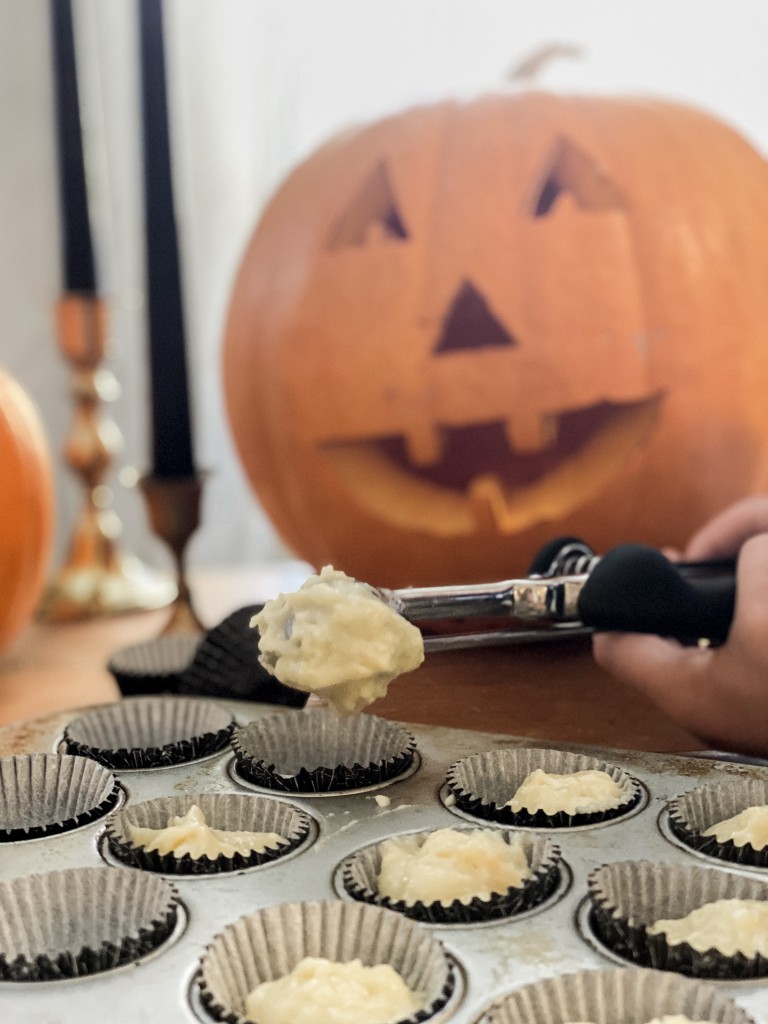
479,482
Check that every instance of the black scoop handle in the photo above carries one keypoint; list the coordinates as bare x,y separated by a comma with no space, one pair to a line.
635,589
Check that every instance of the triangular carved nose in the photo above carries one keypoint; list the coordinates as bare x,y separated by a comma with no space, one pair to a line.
469,323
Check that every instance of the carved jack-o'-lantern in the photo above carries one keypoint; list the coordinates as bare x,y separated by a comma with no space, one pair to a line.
26,508
468,328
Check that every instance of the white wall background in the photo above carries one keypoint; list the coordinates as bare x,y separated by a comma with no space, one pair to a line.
255,86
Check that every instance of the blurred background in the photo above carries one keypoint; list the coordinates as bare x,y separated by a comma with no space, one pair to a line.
254,87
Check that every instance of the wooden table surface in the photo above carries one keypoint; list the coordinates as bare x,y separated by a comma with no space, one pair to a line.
550,691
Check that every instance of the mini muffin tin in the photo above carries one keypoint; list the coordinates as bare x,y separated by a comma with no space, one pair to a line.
488,959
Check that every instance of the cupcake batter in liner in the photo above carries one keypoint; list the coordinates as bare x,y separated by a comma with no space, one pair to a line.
360,873
316,751
483,784
693,813
150,732
228,812
79,921
628,897
629,995
46,794
269,943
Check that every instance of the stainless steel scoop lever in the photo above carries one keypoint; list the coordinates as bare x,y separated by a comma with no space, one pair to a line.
531,600
632,588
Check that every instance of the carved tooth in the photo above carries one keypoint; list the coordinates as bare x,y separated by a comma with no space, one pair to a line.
489,505
531,433
424,444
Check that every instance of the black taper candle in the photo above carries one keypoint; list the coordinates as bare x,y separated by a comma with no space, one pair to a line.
77,248
171,427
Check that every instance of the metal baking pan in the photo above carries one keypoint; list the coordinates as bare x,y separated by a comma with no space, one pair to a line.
491,959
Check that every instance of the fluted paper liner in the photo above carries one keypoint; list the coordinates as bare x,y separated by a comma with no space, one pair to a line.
155,665
360,873
693,813
629,896
269,943
482,784
150,732
316,751
226,665
45,794
64,924
231,812
630,995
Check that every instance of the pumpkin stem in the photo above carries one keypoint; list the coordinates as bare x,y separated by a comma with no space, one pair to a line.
529,67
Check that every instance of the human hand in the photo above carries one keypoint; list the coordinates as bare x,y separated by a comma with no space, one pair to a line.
718,693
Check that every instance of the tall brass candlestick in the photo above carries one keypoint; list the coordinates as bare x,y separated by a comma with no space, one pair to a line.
96,579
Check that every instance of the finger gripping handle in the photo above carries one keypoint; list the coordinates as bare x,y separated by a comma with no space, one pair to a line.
636,589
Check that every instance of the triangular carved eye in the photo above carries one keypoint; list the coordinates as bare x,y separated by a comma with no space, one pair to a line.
572,170
469,323
373,204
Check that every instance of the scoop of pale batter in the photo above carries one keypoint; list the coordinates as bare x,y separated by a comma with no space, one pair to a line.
748,826
573,793
451,865
189,834
319,991
336,637
730,926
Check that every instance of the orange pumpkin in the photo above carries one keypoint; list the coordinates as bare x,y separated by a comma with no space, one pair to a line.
26,509
470,327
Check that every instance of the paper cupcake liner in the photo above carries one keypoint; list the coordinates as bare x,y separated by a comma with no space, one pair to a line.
360,873
269,943
156,666
693,813
226,665
629,896
315,751
45,794
483,784
150,732
230,812
631,995
63,924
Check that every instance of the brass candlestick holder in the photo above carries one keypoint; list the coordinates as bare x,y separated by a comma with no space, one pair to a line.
173,505
96,579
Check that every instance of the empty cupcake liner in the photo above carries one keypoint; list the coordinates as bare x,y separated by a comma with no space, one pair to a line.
150,732
63,924
631,995
45,794
230,812
360,872
155,666
482,785
316,751
226,665
269,943
627,897
223,663
693,813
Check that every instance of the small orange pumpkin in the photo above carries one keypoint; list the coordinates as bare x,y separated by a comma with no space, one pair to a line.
470,327
26,509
